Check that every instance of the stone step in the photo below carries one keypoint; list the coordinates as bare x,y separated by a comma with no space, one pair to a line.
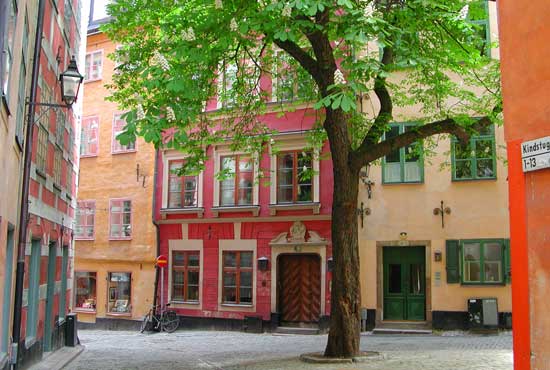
401,331
297,330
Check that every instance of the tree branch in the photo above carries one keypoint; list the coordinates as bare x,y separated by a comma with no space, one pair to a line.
447,126
302,57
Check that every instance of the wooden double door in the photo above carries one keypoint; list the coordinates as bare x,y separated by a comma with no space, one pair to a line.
404,283
299,287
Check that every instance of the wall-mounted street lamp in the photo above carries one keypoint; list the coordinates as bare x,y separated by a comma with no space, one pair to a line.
364,176
263,263
330,264
70,80
441,210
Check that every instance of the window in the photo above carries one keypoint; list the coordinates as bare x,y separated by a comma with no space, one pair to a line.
476,159
120,292
404,165
185,276
237,188
237,277
182,190
90,136
482,261
86,296
42,149
479,17
94,66
69,185
85,220
228,79
8,34
7,293
121,219
118,127
57,159
60,123
45,111
294,177
19,134
290,81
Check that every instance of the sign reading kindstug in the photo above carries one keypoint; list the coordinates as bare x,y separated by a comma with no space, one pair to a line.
535,154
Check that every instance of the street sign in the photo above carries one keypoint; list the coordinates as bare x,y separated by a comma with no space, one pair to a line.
535,154
162,261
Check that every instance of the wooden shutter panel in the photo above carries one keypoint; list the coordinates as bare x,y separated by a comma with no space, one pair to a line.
452,260
507,262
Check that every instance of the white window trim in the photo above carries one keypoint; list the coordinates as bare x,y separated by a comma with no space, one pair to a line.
171,156
222,151
237,245
185,245
113,136
100,75
286,143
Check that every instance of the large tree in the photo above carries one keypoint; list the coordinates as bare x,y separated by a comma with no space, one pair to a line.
394,56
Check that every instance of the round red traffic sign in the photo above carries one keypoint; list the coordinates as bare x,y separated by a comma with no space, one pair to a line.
162,261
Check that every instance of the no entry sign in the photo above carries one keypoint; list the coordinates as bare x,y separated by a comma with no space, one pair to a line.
162,261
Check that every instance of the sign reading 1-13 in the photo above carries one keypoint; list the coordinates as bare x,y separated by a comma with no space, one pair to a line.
535,154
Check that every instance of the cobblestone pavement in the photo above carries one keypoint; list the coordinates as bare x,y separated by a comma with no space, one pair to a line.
211,350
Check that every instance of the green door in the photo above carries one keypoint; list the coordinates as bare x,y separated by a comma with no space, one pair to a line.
404,283
50,291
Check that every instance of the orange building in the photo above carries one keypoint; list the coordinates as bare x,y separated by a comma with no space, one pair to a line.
524,33
116,240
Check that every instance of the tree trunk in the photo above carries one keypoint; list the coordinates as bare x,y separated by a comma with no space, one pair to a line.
344,335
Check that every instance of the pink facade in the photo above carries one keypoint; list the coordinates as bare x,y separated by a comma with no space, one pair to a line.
267,227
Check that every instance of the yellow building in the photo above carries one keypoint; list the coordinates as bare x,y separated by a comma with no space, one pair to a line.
434,231
116,239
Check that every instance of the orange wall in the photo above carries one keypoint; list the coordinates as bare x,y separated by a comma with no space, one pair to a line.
524,35
108,176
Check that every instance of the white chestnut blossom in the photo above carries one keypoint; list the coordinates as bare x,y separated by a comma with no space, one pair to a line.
218,4
463,13
287,11
188,34
233,26
160,60
339,78
140,113
170,115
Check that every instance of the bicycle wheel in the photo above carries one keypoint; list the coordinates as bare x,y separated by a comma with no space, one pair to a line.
170,321
145,322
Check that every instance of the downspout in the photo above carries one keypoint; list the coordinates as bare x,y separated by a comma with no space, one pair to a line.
157,273
24,214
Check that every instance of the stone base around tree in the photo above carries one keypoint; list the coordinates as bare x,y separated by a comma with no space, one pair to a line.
319,358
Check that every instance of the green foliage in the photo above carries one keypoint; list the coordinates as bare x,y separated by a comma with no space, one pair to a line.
178,54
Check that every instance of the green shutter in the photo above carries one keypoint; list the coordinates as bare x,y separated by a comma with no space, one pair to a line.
452,261
507,262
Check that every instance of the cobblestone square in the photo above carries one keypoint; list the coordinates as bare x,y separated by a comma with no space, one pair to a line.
195,350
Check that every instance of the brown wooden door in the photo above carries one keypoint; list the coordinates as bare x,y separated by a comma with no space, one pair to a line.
300,288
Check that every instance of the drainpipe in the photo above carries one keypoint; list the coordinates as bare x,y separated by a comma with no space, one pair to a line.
157,273
24,211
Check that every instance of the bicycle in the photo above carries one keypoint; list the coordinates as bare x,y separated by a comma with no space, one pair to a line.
167,321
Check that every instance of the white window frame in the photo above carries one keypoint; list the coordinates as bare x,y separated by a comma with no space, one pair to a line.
114,142
288,143
237,245
191,246
174,155
224,151
93,54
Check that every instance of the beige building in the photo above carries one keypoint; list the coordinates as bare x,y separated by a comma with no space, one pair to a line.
116,240
434,230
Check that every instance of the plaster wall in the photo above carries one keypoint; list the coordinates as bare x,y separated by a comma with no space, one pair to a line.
524,30
110,176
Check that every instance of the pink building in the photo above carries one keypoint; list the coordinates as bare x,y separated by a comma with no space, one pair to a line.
243,247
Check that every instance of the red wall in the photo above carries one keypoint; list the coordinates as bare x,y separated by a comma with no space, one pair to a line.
524,28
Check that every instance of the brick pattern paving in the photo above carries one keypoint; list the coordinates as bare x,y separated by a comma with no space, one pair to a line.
195,350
